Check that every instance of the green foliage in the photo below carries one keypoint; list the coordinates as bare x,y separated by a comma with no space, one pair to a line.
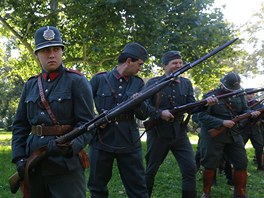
253,62
95,32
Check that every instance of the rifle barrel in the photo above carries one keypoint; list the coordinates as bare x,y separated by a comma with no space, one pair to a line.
141,96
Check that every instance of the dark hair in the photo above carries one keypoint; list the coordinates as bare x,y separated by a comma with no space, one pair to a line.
124,56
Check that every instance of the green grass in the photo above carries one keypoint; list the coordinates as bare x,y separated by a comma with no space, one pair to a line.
168,179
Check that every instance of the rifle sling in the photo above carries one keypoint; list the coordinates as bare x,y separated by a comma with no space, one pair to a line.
230,108
110,86
45,102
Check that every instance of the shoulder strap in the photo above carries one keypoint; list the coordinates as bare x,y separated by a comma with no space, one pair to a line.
110,86
229,107
45,102
158,101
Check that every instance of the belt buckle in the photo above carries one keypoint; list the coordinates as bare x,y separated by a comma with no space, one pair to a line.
39,130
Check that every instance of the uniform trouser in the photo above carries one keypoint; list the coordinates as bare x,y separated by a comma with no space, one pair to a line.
130,166
213,151
157,150
255,137
67,185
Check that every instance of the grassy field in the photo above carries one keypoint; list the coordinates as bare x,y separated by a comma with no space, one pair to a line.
168,179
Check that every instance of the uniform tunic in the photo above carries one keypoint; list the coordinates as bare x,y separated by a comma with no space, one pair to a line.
228,144
119,139
70,97
170,136
253,132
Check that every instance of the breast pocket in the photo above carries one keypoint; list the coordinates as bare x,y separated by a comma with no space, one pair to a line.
104,99
238,105
182,98
130,93
61,104
220,108
33,104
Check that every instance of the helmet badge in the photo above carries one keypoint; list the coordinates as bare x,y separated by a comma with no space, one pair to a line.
48,34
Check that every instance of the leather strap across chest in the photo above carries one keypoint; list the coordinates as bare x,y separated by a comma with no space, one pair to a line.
56,129
45,102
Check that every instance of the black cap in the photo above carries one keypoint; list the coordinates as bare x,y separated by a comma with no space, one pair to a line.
169,56
231,81
136,50
47,36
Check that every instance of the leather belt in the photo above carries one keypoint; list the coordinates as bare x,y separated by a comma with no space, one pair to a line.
51,130
124,117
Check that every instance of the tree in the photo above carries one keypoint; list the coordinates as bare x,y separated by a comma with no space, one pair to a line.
95,32
254,59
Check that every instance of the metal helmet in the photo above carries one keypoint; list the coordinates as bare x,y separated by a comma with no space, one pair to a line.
231,81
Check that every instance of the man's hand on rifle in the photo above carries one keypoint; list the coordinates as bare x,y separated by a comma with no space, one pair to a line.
211,100
255,114
229,123
166,115
21,164
55,149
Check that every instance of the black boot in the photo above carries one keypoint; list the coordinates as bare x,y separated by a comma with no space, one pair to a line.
150,184
259,158
229,173
188,194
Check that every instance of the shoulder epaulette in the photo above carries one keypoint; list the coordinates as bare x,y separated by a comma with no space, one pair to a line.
138,77
103,72
155,78
35,76
209,93
74,71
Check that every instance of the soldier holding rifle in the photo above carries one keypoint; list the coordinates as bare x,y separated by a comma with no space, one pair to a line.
251,131
52,104
119,139
229,143
170,132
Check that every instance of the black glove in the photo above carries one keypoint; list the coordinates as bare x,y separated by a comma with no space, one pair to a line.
55,149
21,164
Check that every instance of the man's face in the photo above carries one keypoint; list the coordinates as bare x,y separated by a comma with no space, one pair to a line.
173,66
50,58
250,97
133,67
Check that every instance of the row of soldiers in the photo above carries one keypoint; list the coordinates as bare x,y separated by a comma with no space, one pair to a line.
249,129
58,100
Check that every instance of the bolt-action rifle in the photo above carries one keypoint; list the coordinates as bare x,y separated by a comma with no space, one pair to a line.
256,104
237,119
152,122
108,116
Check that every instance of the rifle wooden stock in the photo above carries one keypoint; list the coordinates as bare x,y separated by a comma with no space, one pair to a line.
219,130
122,107
15,180
151,123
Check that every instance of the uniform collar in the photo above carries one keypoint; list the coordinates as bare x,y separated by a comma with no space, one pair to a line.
177,80
52,75
118,75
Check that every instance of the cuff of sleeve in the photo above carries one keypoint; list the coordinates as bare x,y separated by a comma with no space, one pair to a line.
76,147
158,114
